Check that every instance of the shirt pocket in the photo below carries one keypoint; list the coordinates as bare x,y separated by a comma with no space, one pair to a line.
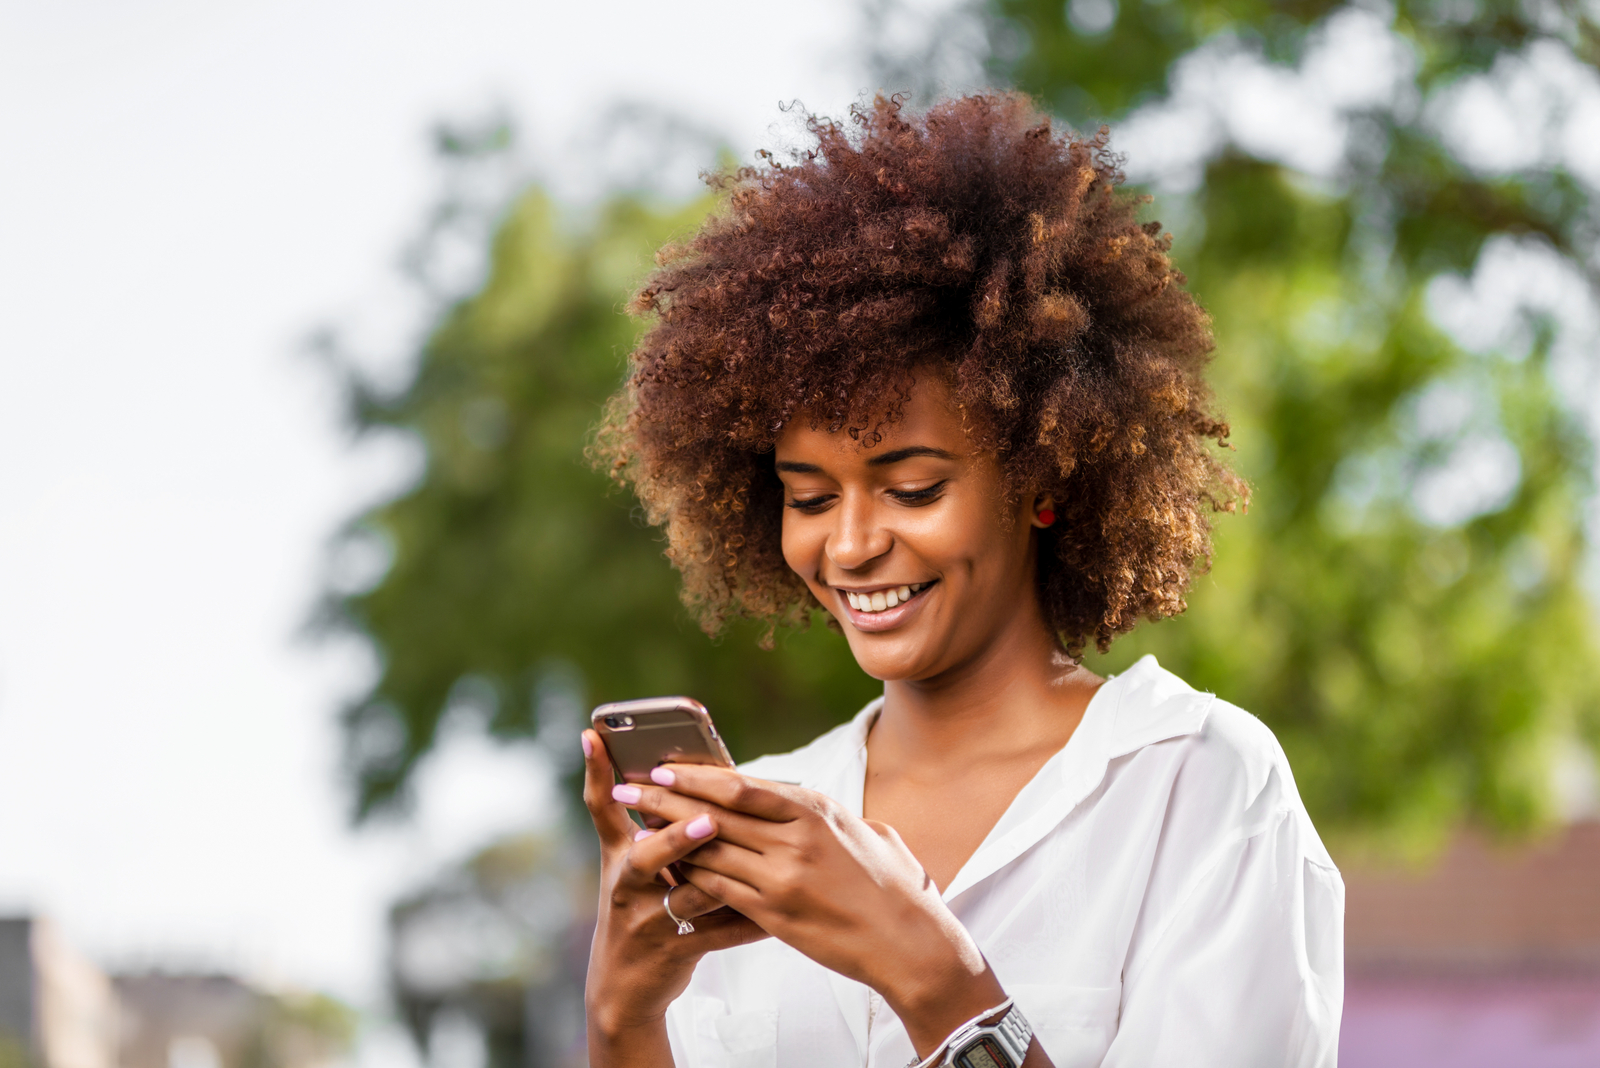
735,1039
1074,1024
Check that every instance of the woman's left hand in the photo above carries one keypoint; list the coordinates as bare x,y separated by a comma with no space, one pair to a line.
844,891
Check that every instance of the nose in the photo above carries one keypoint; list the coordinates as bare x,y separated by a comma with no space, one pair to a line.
858,536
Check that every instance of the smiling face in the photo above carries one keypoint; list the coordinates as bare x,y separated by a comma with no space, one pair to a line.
912,544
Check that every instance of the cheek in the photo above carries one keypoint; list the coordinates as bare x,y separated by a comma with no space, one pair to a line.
802,545
968,539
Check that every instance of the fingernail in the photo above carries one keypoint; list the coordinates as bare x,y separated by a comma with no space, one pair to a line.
588,746
699,827
662,776
628,795
642,835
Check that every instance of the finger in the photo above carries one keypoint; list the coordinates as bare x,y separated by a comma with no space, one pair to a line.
611,820
726,788
649,853
741,896
660,806
723,931
688,901
669,806
731,860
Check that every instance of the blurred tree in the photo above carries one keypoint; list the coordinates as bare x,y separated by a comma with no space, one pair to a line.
1403,604
517,577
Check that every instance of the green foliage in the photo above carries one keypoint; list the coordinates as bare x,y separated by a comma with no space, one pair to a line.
1417,674
516,568
14,1052
1104,76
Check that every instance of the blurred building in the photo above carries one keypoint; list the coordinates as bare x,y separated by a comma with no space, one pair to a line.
57,1010
187,1021
1489,958
218,1021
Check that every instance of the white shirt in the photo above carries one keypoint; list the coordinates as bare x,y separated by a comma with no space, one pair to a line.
1155,896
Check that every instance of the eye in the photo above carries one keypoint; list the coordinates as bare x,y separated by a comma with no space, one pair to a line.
926,495
810,505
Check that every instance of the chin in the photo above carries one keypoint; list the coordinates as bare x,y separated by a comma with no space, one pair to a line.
889,662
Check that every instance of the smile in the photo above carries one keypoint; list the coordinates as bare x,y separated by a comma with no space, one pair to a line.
871,611
881,600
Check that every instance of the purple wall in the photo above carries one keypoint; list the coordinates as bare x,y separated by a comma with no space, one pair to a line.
1463,1023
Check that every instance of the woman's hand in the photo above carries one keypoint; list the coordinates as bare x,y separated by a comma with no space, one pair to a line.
639,963
844,891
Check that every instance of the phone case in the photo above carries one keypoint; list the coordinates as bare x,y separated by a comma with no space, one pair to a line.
639,735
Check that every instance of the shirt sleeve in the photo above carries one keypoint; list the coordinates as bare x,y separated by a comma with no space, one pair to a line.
1248,968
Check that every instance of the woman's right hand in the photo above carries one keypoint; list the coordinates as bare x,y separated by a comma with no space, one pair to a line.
638,962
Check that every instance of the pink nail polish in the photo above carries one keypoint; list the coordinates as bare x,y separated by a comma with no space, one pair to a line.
642,835
699,827
628,795
588,746
663,776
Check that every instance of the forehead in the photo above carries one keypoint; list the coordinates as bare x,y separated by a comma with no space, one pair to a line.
928,417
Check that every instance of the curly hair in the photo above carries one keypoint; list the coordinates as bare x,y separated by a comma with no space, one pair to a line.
973,240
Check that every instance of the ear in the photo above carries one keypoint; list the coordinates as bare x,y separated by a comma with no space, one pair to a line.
1044,513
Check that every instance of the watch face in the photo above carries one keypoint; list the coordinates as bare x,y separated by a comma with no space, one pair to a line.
985,1053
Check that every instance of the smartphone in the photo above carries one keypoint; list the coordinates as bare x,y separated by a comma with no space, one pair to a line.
639,735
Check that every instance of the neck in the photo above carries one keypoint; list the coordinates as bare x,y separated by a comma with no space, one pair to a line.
1019,692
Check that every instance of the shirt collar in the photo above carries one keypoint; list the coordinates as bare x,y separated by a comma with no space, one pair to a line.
841,768
1154,705
1140,707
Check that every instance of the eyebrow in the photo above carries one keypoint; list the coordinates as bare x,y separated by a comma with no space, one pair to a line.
888,458
907,453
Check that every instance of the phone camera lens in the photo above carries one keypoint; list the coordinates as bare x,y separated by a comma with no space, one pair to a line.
615,722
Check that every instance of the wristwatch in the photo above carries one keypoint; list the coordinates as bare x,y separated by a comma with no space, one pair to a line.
1002,1044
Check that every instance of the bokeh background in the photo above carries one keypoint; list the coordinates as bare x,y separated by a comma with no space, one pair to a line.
305,588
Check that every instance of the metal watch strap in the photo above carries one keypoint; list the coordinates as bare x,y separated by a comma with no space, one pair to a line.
1011,1033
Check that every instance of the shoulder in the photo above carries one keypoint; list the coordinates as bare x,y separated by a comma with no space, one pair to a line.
804,764
1223,764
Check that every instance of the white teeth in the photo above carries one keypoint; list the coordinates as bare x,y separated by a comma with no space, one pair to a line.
883,599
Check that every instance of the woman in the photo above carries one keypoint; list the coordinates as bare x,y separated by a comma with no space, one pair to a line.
935,379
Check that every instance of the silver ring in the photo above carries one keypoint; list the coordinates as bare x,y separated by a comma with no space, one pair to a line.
684,926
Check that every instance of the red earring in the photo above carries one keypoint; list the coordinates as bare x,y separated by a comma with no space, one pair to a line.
1046,517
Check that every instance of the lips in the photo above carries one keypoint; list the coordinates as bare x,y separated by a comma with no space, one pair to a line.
870,621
